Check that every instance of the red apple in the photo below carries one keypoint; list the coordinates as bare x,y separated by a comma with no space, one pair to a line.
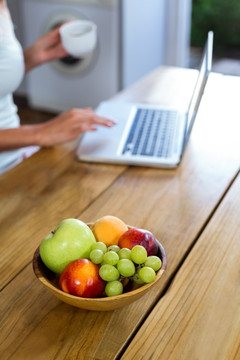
142,237
81,278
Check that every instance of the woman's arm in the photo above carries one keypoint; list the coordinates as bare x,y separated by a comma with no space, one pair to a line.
63,128
16,138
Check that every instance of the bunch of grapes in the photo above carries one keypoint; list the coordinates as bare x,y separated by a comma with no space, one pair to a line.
116,264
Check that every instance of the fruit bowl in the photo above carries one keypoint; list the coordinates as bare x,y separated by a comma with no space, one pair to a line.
132,291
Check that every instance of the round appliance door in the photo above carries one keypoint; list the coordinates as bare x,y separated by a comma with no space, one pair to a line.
70,65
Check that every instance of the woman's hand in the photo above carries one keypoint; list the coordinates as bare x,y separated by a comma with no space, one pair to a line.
46,48
63,128
68,126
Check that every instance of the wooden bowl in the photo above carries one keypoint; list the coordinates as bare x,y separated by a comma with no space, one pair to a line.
131,293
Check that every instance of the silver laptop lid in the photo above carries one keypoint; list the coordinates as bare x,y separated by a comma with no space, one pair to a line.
205,69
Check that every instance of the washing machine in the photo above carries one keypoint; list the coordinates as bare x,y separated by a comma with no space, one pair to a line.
128,47
70,82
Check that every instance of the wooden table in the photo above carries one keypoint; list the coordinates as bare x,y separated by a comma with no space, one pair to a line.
193,210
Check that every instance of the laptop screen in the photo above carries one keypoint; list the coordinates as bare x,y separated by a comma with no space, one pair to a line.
205,68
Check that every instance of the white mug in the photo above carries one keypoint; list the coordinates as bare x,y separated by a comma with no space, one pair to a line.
79,37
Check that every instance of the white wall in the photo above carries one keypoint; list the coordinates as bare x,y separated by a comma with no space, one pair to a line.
164,41
177,32
143,29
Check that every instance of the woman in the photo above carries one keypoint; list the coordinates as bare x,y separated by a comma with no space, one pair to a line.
18,142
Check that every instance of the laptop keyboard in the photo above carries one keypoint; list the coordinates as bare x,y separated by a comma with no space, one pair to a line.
151,133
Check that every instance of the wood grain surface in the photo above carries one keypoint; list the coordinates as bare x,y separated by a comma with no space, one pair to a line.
199,317
176,205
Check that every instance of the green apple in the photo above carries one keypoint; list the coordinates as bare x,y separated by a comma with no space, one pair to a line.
71,240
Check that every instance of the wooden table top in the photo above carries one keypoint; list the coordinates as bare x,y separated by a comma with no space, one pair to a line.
193,210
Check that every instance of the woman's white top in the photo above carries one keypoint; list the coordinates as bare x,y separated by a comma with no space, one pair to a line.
11,74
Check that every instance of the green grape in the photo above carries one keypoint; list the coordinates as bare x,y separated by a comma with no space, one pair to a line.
114,288
100,245
154,262
126,267
124,253
138,254
137,279
111,257
96,256
115,248
146,274
108,272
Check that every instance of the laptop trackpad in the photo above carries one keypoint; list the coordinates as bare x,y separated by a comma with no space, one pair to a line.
105,141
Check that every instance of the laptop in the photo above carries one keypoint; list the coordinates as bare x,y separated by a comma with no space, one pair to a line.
145,135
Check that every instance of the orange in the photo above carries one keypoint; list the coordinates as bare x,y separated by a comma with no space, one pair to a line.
108,229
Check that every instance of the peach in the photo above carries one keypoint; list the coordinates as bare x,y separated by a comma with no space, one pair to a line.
81,278
109,229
